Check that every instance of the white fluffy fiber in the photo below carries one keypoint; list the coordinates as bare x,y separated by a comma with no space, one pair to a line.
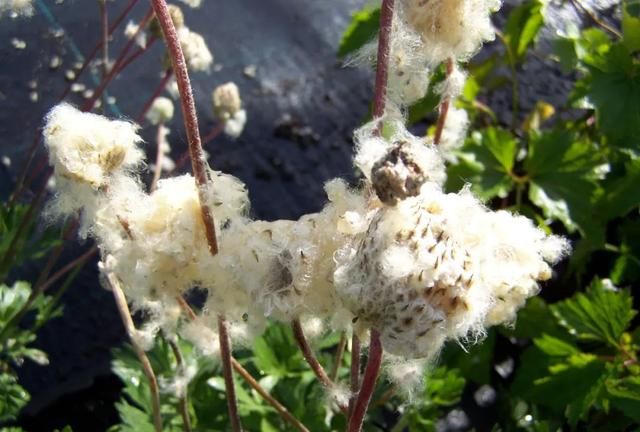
16,8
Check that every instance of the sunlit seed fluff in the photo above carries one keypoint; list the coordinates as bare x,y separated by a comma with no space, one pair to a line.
132,30
161,111
406,374
192,3
226,101
453,84
441,266
453,133
450,28
196,52
87,148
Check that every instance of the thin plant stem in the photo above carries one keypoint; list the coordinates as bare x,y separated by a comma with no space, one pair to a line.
354,383
311,359
20,184
183,400
125,315
444,107
385,397
126,62
282,410
117,66
307,352
79,261
515,90
227,372
157,172
382,67
104,21
578,5
198,160
159,89
184,157
368,383
339,354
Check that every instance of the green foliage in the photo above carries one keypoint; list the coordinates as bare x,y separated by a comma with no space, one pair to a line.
20,243
362,29
522,28
15,342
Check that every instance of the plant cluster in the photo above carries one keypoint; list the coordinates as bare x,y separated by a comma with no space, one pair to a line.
445,236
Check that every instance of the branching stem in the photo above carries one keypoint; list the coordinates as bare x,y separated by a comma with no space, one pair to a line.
444,107
125,314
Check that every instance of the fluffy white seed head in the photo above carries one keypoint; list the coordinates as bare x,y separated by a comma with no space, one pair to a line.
196,52
450,28
234,126
192,3
88,148
453,133
441,266
226,101
161,111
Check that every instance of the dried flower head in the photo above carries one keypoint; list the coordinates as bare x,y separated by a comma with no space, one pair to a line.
161,111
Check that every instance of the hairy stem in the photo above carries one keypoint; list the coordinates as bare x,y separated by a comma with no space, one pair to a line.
339,354
281,409
382,67
355,371
311,359
368,383
444,108
104,22
125,314
198,160
183,400
227,372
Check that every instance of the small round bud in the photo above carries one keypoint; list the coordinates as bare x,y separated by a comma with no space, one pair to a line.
226,101
161,111
397,175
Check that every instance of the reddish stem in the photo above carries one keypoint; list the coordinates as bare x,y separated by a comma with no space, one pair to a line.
198,160
159,89
159,154
137,53
368,383
307,352
117,66
20,184
227,371
355,371
382,69
444,108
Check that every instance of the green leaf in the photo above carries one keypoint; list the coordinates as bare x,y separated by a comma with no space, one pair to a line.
474,362
543,380
555,347
625,395
363,28
622,192
598,315
534,320
522,27
12,397
486,161
425,106
614,89
631,24
562,171
626,268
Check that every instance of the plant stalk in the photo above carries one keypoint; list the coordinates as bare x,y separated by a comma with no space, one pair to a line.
227,371
183,400
368,383
125,314
444,107
198,160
